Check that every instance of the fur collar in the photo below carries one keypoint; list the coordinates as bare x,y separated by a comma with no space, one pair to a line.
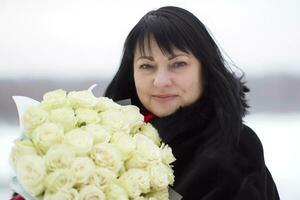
196,115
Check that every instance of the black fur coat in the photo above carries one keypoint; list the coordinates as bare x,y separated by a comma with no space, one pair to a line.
209,169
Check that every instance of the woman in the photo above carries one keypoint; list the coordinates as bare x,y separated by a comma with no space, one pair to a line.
174,72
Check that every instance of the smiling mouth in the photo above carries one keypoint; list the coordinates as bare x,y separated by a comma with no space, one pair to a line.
164,97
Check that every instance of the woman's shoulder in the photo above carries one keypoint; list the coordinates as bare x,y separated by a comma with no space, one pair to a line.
257,179
250,146
249,137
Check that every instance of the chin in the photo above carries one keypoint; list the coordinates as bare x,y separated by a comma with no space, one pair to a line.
164,113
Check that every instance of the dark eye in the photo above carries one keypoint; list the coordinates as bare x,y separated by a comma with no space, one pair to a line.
179,64
145,66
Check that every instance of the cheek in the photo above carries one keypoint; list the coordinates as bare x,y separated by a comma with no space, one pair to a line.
192,88
196,90
141,85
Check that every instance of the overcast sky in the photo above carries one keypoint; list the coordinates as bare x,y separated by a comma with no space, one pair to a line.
59,38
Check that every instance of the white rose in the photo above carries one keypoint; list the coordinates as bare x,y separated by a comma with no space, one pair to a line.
59,156
81,140
145,152
159,175
59,179
31,171
47,135
84,99
104,103
114,120
86,116
21,147
32,118
135,181
133,116
167,155
171,175
100,133
148,130
125,143
107,155
102,177
83,168
64,116
55,99
141,198
116,192
63,194
91,192
159,195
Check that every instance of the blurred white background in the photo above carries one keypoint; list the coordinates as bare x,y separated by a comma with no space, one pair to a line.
40,36
72,40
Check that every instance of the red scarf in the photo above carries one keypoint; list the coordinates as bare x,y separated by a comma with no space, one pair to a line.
148,117
18,197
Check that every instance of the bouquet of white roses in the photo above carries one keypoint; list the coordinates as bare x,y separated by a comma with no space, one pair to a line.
76,146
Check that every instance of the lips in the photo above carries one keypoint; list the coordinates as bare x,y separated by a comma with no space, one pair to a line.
164,97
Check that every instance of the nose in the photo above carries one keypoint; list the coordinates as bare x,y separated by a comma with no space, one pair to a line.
162,78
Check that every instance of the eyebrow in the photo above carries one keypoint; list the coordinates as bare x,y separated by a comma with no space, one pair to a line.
152,59
145,57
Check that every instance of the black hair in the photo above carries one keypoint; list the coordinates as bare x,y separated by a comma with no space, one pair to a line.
174,27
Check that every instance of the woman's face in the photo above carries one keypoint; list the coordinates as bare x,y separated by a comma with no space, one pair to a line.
166,82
